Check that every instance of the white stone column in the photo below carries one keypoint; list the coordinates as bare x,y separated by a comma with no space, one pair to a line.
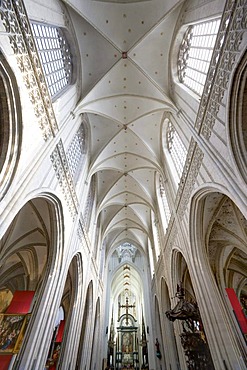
220,334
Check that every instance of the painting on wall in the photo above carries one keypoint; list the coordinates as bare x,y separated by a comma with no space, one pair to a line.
127,343
5,299
12,329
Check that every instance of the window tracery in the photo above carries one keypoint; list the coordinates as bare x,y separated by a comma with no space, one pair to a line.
166,208
156,236
89,203
176,148
55,56
126,252
195,54
75,152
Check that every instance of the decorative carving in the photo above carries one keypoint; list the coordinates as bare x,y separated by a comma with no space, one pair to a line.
83,237
170,235
89,203
196,350
164,199
76,151
16,23
126,251
60,164
157,345
191,168
183,310
176,148
193,338
183,54
233,25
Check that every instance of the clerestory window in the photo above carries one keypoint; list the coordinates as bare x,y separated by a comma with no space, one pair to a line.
55,56
176,149
195,54
75,153
166,209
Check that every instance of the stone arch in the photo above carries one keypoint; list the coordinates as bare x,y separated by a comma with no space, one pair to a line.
95,356
85,335
179,270
237,132
63,349
10,125
160,355
31,251
187,317
169,341
218,242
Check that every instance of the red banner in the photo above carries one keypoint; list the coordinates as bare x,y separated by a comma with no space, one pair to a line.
59,336
21,302
5,361
237,308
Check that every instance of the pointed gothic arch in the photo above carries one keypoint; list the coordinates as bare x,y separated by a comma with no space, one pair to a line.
186,312
10,125
237,132
83,355
65,340
218,244
31,251
160,352
94,361
168,334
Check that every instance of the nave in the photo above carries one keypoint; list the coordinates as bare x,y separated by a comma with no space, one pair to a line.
123,170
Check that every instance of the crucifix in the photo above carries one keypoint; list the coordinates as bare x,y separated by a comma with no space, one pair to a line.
126,306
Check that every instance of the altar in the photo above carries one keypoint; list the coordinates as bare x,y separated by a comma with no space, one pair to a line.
127,360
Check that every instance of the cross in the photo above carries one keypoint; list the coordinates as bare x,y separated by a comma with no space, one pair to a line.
127,306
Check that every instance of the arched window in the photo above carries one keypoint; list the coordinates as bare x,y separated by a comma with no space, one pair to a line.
195,54
151,258
126,252
89,202
167,213
156,236
55,56
75,153
176,149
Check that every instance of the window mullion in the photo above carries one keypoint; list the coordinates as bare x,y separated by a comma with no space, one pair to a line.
55,56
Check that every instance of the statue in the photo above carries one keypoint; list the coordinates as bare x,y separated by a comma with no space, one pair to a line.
157,345
193,338
183,310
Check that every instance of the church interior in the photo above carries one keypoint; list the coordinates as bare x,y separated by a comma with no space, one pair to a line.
123,172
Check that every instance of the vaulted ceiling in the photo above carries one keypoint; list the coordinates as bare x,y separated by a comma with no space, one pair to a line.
125,53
